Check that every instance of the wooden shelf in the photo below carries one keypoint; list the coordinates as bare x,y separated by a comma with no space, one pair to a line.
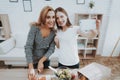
87,48
89,56
80,37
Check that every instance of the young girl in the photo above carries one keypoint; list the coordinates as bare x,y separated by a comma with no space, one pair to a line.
66,39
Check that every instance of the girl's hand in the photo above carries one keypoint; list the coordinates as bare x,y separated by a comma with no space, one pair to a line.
56,41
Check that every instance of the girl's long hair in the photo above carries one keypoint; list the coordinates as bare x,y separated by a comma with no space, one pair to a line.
60,9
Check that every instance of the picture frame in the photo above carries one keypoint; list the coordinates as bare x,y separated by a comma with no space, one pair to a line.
80,1
27,5
13,1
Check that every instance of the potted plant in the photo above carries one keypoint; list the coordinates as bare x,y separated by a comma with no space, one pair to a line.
91,4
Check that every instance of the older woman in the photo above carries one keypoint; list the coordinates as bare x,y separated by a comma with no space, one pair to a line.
40,42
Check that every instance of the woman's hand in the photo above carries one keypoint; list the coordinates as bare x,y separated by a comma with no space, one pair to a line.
31,74
40,66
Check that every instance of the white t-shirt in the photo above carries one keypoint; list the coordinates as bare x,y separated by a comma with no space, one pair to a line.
68,51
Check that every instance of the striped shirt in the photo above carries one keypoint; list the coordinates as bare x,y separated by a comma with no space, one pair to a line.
36,46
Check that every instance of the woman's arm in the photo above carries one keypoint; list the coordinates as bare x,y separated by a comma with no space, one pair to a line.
40,64
50,50
28,52
45,57
29,45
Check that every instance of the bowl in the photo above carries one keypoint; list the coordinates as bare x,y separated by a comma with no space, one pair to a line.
63,73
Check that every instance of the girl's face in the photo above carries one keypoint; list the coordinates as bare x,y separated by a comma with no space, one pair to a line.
61,19
50,19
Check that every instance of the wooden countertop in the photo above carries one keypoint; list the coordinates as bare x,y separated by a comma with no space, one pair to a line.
18,74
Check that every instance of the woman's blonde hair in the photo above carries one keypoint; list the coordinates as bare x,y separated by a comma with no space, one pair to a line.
42,18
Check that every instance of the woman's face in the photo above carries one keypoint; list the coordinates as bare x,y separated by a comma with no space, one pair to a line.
61,19
50,19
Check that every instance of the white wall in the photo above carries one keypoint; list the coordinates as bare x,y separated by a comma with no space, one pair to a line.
19,20
113,30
